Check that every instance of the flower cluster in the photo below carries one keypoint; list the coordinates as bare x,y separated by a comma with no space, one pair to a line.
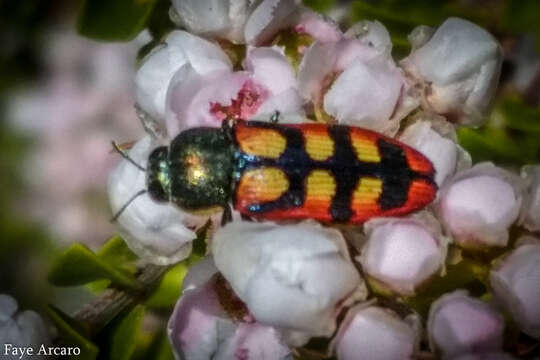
265,289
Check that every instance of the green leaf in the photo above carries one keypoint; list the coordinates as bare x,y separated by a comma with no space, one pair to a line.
72,334
78,265
320,5
159,349
123,333
169,289
520,116
114,20
116,253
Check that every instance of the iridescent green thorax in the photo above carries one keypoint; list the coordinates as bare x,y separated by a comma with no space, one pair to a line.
194,172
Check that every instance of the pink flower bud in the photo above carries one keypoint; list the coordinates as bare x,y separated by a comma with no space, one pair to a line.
478,205
294,277
459,324
374,333
402,253
458,67
515,283
531,206
437,140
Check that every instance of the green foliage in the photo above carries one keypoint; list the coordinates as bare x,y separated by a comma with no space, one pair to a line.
73,333
510,136
168,291
78,265
121,335
114,20
320,5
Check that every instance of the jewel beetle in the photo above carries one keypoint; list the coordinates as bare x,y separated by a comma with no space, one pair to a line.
273,171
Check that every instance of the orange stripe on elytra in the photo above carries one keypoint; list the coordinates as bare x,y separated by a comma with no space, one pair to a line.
364,144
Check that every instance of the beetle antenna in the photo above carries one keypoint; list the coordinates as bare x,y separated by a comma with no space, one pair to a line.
126,156
121,210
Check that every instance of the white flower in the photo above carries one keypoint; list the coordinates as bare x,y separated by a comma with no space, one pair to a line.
317,27
160,233
269,17
23,329
531,206
402,253
459,324
459,68
478,205
268,85
200,329
437,141
355,80
515,284
155,74
223,19
294,277
374,333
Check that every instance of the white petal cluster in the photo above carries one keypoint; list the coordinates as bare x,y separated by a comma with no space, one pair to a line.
375,333
459,68
295,281
515,285
459,324
402,253
478,205
289,276
21,329
179,49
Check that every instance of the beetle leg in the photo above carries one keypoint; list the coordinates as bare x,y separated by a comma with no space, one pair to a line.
227,215
274,119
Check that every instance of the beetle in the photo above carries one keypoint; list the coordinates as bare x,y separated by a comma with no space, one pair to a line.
330,173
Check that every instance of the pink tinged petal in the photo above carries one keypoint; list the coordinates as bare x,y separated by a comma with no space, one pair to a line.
305,266
200,329
366,95
158,233
442,152
254,342
198,324
515,285
270,68
268,18
374,333
319,28
288,102
459,324
531,207
402,253
195,100
154,76
479,205
461,65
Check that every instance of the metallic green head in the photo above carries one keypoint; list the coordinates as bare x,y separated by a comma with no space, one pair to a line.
194,172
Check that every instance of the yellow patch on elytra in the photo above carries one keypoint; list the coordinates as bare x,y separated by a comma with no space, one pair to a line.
263,184
266,143
319,145
367,191
366,150
320,187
